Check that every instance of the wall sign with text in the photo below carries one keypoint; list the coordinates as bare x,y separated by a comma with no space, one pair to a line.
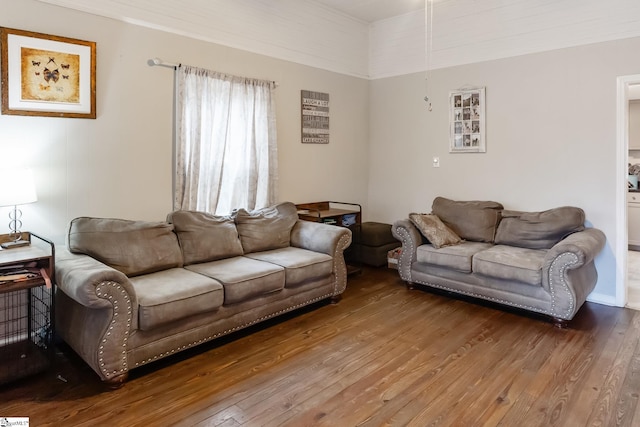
315,117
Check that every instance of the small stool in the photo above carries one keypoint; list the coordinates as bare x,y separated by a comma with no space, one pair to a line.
371,243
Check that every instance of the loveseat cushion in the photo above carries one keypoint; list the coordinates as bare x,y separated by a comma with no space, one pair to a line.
243,278
511,263
431,227
204,237
268,228
170,295
458,257
300,265
131,247
539,230
475,221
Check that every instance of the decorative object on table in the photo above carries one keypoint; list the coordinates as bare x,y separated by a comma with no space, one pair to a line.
44,75
467,121
315,117
16,188
348,220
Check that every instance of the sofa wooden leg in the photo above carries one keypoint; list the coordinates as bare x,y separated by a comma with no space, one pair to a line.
410,285
116,382
336,299
560,323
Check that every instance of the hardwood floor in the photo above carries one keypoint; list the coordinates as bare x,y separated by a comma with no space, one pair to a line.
383,356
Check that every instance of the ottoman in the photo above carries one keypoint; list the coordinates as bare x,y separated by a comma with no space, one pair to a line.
371,243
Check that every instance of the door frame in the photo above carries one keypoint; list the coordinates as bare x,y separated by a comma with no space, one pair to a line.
622,159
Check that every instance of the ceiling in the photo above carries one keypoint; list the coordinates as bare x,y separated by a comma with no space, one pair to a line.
374,10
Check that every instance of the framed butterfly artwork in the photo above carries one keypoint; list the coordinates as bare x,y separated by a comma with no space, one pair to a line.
45,75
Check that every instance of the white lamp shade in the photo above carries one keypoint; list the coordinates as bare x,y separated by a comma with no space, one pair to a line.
17,187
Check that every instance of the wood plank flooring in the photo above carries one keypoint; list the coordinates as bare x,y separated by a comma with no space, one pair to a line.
383,356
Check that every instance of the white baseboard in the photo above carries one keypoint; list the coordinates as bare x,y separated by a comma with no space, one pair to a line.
602,299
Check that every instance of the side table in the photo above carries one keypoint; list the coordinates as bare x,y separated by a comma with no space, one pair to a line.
27,303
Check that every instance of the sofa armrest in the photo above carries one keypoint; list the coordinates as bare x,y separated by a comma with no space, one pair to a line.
586,244
329,239
78,276
410,236
96,312
569,274
319,237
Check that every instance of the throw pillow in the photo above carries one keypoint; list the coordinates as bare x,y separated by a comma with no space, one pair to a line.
268,228
131,247
476,221
539,230
204,237
431,227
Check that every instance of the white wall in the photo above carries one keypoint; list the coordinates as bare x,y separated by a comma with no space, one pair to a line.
307,32
551,139
120,165
550,131
634,127
301,31
468,31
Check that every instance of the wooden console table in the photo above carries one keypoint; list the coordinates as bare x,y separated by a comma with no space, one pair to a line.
335,213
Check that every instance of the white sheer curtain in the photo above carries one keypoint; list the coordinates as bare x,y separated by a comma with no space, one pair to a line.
226,155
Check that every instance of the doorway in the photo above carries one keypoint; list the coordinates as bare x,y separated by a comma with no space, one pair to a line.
626,84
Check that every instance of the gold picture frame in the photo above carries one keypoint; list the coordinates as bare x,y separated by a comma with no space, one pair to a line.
45,75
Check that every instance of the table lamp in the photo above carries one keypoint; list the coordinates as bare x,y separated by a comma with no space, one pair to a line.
16,188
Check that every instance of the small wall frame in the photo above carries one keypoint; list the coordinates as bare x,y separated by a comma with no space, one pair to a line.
467,121
45,75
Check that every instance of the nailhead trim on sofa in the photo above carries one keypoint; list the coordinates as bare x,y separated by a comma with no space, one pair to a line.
107,290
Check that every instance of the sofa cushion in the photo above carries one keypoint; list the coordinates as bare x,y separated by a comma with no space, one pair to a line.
170,295
204,237
458,257
268,228
132,247
300,265
539,230
475,221
511,263
243,278
431,227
